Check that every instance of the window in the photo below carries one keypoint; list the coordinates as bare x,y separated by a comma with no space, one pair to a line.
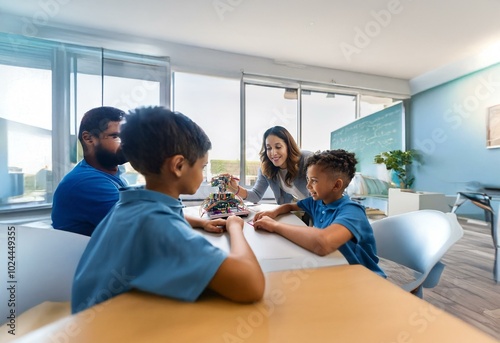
214,104
309,111
26,156
322,113
47,87
45,90
265,107
130,82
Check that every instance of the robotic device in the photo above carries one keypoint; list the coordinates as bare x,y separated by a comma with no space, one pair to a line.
223,204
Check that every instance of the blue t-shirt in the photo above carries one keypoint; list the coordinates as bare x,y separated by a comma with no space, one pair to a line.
359,250
82,199
144,243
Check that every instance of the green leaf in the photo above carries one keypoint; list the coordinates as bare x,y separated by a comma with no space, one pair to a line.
397,160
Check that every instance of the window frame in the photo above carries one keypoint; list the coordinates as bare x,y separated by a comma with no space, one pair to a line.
62,60
300,86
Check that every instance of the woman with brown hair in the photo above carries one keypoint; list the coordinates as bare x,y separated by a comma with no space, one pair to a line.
282,169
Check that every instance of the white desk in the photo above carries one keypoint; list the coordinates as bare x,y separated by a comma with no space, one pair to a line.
273,251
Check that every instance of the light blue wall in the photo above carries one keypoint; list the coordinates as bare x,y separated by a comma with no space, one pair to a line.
448,128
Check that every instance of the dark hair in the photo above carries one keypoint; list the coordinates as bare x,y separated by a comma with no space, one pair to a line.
336,161
97,119
292,161
150,135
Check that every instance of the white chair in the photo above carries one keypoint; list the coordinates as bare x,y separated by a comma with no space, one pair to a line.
417,240
45,263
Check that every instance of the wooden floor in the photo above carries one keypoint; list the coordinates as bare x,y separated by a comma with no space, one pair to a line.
466,288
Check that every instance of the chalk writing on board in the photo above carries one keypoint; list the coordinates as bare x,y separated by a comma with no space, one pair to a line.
371,135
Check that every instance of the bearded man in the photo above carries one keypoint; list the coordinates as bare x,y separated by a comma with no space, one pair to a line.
87,193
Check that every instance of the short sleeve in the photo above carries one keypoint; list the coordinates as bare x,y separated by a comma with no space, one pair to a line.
307,205
180,262
353,217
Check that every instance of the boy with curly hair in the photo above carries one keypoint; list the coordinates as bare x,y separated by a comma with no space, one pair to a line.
339,223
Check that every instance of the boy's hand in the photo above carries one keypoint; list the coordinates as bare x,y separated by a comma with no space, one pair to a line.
259,215
214,225
234,222
265,223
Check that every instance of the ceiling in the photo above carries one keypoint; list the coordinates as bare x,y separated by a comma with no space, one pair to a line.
395,38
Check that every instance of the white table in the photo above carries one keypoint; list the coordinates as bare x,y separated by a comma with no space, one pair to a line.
273,251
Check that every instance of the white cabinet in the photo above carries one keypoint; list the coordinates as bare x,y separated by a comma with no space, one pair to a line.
402,201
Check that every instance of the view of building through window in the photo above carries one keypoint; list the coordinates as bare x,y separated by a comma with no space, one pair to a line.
25,132
44,95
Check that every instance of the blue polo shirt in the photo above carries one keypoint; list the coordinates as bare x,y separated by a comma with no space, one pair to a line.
144,243
359,250
83,197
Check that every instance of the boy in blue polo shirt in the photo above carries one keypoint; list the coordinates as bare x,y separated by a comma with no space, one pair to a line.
342,222
145,243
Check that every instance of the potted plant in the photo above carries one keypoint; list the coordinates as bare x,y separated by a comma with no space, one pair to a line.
397,160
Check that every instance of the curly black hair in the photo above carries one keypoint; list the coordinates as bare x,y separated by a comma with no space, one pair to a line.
337,161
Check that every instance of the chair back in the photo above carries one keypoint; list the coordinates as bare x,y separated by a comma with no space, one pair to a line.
40,269
417,240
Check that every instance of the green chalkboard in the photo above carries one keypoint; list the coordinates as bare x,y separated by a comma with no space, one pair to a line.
371,135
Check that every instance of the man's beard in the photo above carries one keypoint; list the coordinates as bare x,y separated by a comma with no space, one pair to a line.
108,159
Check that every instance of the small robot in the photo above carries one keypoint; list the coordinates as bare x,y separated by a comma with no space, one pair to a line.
223,204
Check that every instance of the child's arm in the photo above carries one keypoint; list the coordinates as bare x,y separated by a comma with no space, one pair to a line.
285,208
239,277
319,241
